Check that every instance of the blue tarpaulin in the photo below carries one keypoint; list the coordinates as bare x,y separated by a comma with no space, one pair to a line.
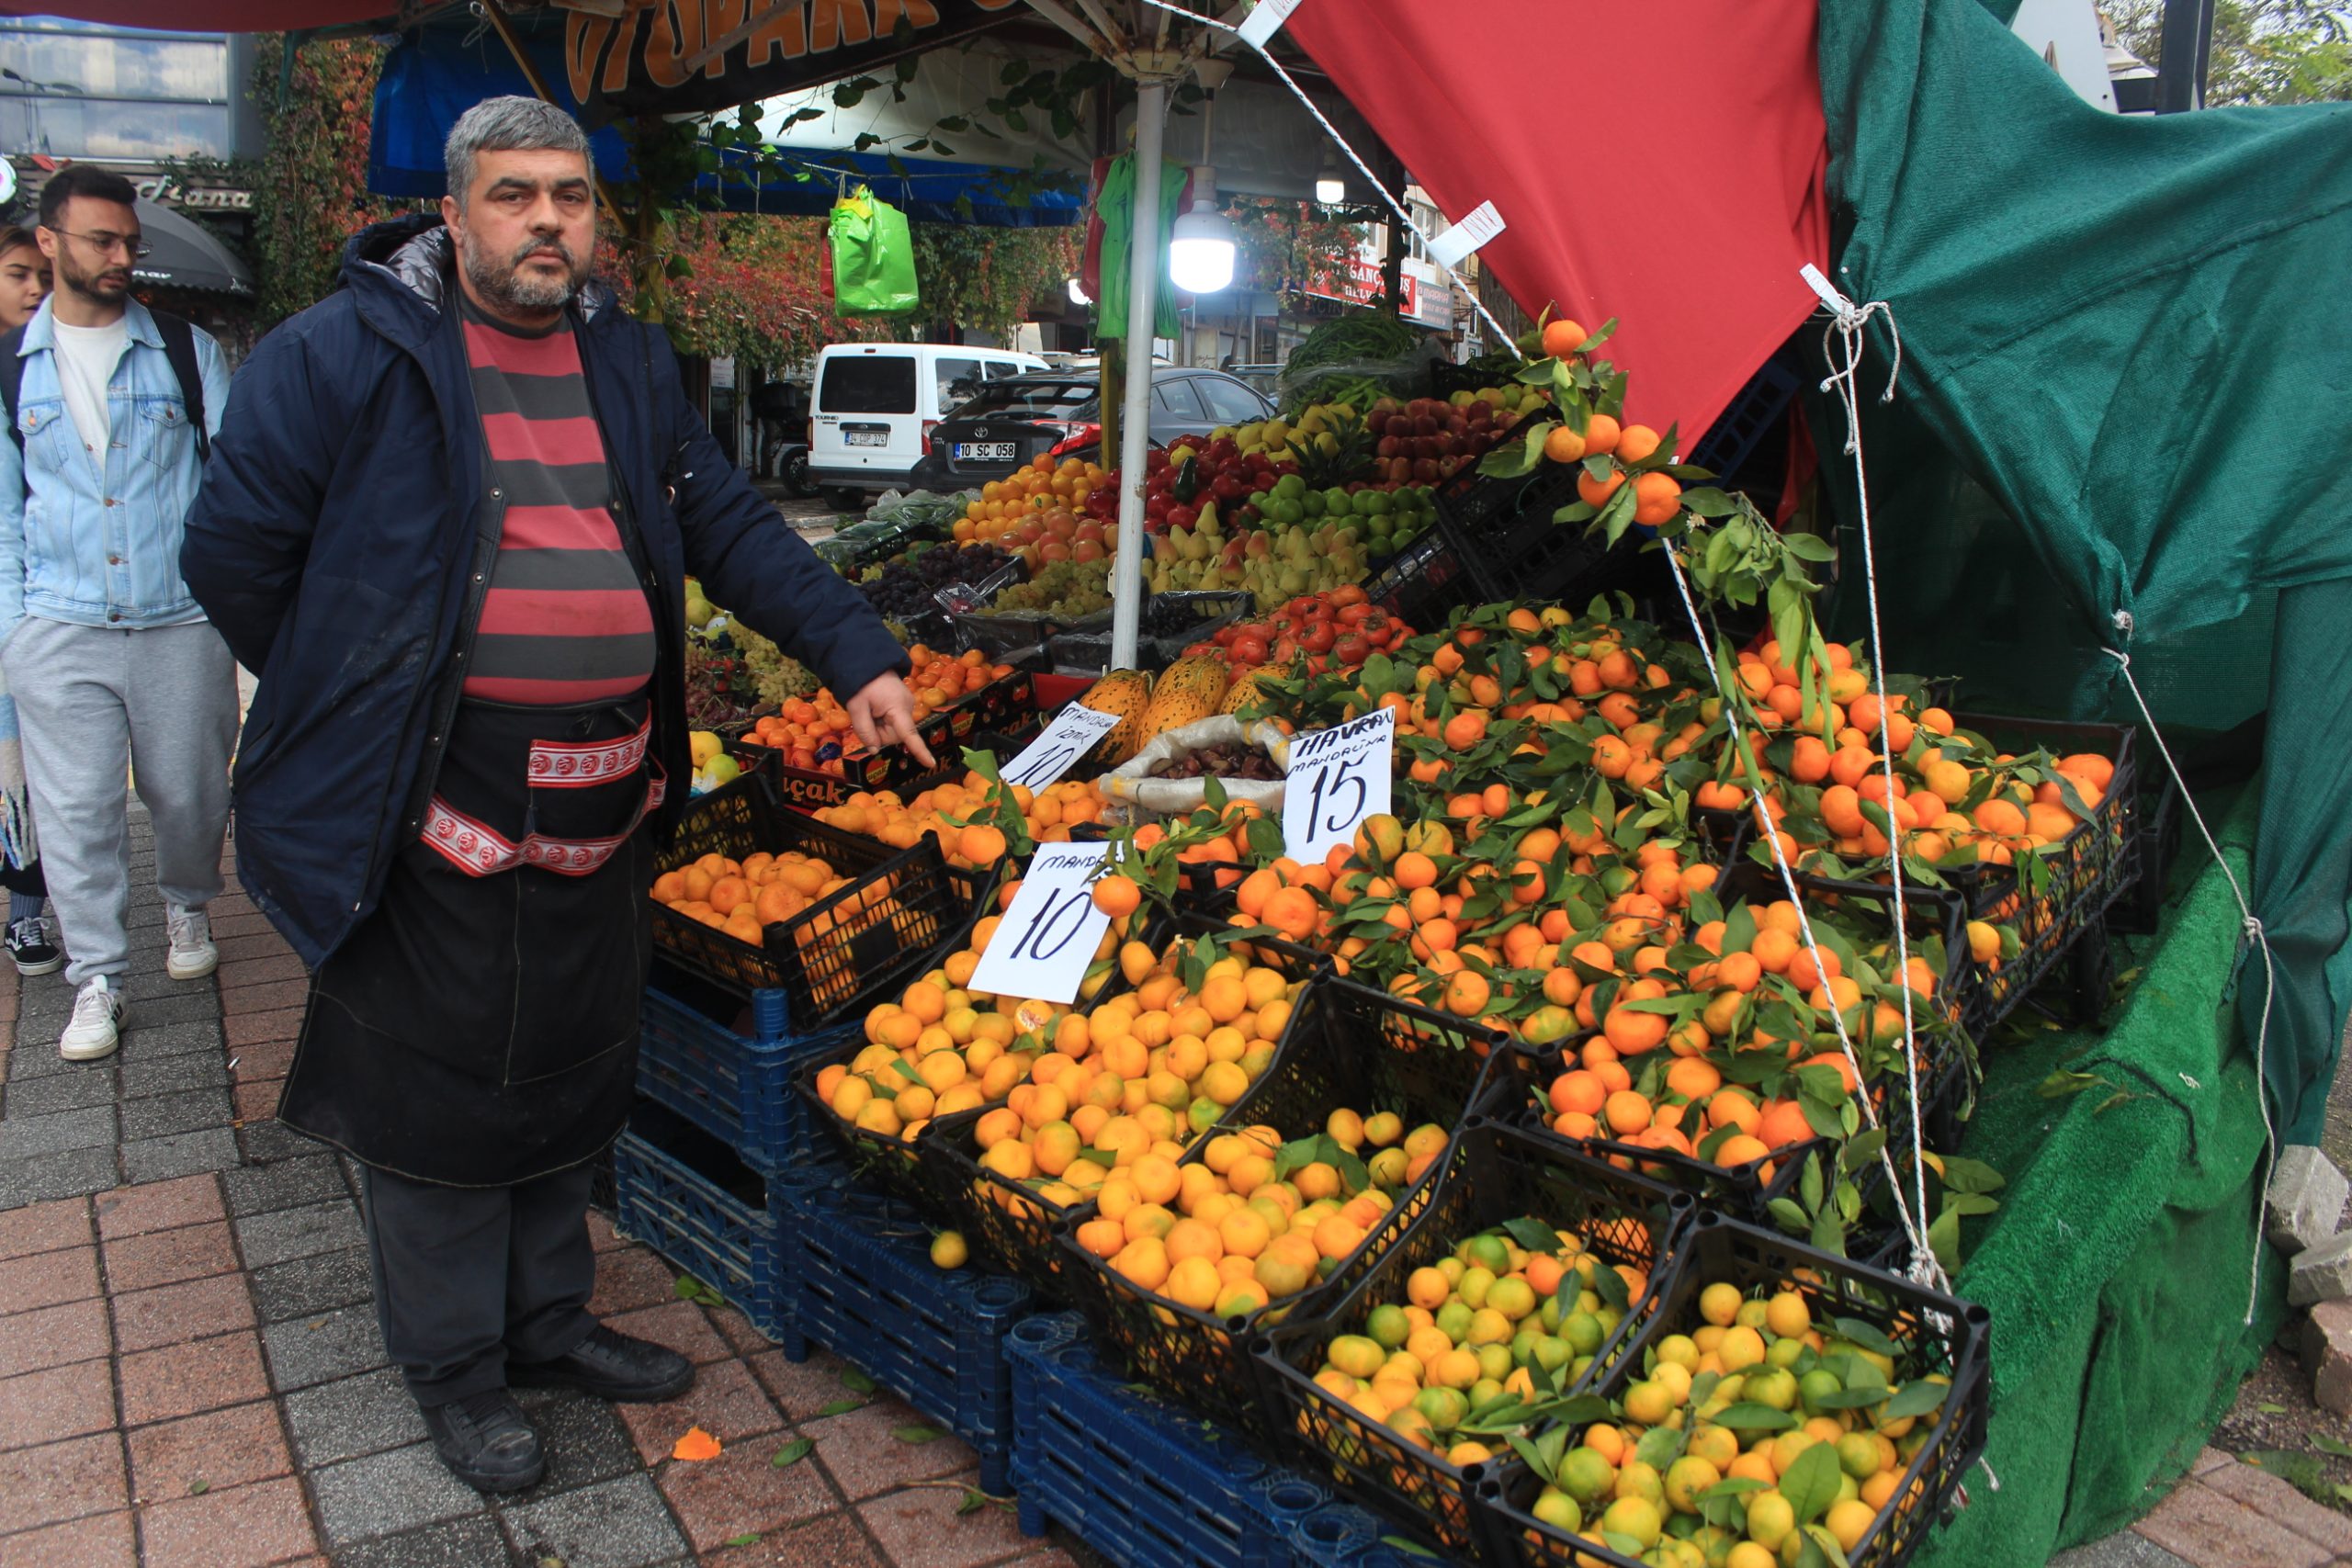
435,73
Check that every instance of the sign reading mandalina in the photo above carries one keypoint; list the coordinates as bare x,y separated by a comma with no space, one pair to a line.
705,55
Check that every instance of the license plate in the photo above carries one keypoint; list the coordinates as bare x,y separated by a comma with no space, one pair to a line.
867,438
984,451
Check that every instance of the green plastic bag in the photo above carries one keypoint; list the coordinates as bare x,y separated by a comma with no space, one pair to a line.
873,257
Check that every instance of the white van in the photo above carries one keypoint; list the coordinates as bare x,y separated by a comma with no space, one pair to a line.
876,404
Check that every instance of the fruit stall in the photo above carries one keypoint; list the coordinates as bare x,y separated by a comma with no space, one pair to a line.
1545,1131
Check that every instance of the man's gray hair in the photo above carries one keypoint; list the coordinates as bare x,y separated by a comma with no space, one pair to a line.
510,124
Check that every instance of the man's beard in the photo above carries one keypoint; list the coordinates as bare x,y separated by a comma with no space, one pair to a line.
504,283
107,284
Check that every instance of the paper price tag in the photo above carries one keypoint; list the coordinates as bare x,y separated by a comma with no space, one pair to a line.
1337,777
1071,736
1482,225
1045,940
1265,21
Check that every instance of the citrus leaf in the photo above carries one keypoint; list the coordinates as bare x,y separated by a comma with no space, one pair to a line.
855,1380
1916,1399
792,1452
841,1408
1811,1483
1751,1416
917,1434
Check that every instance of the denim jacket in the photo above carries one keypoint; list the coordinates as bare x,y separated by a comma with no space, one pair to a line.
76,550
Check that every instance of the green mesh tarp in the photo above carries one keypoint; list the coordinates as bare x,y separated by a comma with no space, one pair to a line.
2117,427
2118,1269
2131,332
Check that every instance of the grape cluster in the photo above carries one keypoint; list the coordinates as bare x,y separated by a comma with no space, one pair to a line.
1064,588
903,587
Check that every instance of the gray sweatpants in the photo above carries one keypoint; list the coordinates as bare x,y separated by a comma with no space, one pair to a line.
94,703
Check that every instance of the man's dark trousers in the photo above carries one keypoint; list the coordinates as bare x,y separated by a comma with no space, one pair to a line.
469,1279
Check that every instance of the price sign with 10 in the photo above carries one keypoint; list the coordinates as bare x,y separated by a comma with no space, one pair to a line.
1048,938
1337,778
1071,735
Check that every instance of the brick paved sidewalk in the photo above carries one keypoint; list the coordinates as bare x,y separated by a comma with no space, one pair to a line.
191,1377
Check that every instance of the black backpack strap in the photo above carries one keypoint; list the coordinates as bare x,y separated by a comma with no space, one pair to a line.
12,380
179,347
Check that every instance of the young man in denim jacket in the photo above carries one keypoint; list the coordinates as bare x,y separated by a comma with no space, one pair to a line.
111,660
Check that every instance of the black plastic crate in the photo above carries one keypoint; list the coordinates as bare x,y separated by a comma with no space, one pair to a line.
1014,1227
1421,582
2156,827
1349,1046
832,955
1950,1336
1502,533
1168,624
1502,1173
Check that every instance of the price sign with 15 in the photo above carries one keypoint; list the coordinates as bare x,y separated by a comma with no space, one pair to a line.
1337,777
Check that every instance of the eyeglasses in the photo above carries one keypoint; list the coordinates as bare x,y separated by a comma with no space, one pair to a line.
104,243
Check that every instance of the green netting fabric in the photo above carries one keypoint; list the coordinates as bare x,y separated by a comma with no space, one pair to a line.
2130,332
2116,1269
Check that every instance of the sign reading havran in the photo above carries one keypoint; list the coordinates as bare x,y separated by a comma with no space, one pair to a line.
680,56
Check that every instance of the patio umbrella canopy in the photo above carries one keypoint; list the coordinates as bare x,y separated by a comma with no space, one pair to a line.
185,257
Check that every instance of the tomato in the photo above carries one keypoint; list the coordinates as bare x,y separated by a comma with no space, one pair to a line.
1301,607
1248,649
1318,637
1353,614
1347,594
1224,636
1351,650
1286,650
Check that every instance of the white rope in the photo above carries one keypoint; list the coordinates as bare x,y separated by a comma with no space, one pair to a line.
1933,1274
2251,929
1847,329
1362,168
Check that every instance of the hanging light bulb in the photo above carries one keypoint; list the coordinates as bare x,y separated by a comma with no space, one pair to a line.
1078,295
1329,188
1200,246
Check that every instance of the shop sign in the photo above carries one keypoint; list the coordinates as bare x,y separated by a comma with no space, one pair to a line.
701,56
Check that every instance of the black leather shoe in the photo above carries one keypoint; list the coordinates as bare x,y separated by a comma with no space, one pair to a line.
610,1366
487,1441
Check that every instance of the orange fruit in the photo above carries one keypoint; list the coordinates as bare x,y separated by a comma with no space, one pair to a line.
1562,337
1635,443
1563,446
1114,895
1600,433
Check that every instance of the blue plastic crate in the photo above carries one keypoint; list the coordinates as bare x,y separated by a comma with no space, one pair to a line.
1344,1536
858,1280
1143,1484
1751,412
735,1086
682,1194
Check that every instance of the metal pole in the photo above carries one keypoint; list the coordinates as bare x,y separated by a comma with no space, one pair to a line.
1135,418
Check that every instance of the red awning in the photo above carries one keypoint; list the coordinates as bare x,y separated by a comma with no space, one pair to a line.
1658,163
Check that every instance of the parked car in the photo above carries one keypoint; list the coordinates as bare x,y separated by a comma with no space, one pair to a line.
1011,422
877,403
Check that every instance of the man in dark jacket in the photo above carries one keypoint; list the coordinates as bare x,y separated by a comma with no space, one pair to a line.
448,519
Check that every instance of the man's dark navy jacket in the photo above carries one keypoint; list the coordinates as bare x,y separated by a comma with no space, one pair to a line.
340,535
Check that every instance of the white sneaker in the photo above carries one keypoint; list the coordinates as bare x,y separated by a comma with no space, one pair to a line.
193,955
96,1028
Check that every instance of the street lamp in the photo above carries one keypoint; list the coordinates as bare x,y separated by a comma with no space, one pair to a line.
1329,188
1200,246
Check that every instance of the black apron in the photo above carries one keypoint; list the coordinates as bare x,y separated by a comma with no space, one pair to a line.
480,1027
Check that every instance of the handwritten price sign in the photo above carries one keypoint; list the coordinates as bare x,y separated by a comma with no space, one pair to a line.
1337,777
1071,735
1044,943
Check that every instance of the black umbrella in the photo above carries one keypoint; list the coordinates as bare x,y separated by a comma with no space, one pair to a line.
185,257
